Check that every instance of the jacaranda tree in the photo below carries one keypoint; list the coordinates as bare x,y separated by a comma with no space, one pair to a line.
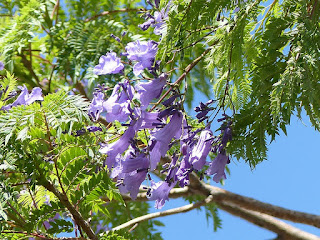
94,103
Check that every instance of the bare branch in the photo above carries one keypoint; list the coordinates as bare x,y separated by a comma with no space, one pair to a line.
150,216
112,12
284,230
220,195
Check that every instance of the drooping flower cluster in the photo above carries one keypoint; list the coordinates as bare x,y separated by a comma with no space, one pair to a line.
129,163
163,129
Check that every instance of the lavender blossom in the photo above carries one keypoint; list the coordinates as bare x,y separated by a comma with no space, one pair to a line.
131,171
96,106
160,192
146,119
201,150
1,65
118,147
25,98
144,26
160,139
47,223
150,90
118,104
183,172
217,167
132,182
109,64
142,52
94,129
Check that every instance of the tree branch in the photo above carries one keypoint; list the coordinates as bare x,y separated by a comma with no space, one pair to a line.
284,230
150,216
112,12
276,211
76,215
220,195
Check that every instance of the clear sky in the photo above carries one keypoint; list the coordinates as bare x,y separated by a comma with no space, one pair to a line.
289,178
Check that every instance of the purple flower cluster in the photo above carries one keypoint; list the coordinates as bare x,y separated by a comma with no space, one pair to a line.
129,162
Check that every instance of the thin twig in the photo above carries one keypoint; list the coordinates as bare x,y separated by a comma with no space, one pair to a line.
112,12
178,81
150,216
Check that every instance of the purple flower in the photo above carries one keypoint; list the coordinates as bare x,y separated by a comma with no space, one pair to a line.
47,223
183,172
118,147
201,150
132,182
160,19
1,65
131,171
160,139
144,26
94,129
217,167
132,163
160,192
25,98
227,136
150,90
96,106
118,104
109,64
142,52
146,119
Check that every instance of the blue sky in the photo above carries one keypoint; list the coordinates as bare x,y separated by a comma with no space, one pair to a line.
288,178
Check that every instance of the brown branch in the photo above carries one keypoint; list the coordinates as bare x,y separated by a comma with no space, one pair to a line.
150,216
28,65
79,86
286,231
220,195
75,214
112,12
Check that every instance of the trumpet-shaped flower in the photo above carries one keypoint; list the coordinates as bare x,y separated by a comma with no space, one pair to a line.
161,138
160,192
217,166
108,64
150,90
143,52
118,147
118,104
201,150
96,106
25,98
